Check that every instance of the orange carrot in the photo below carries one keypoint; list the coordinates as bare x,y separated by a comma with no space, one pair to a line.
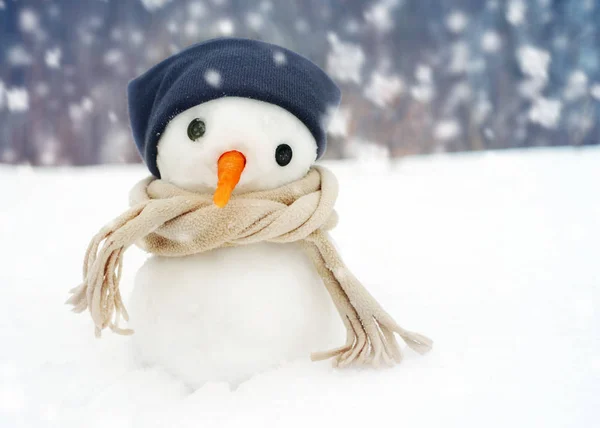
230,167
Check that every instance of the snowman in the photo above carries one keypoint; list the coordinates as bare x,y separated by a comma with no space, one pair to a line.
230,118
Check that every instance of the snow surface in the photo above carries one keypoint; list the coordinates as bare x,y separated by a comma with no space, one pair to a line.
493,255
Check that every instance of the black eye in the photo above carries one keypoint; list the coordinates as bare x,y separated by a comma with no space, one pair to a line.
196,129
283,154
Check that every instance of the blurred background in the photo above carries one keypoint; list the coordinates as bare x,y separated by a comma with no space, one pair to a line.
418,76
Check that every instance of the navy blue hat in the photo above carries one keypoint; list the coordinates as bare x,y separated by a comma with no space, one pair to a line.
228,67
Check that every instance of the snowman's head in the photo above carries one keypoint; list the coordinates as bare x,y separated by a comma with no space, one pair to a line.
216,143
229,110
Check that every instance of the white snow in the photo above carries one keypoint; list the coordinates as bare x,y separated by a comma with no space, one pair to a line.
213,78
383,90
595,91
545,112
493,255
338,121
344,60
577,86
28,21
53,57
17,99
447,130
379,15
225,27
534,62
515,12
457,21
279,58
491,41
18,56
154,5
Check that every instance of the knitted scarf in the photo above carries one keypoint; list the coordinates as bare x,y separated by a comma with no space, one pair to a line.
169,221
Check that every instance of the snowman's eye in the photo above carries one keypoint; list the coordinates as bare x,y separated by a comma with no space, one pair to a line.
283,154
196,129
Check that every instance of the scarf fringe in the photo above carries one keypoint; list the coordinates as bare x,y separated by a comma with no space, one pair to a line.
102,270
371,331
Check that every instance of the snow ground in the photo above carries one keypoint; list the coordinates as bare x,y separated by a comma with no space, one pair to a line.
495,256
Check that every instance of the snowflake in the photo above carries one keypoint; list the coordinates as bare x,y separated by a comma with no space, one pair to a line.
534,62
53,57
338,121
28,21
345,60
113,57
379,15
213,78
18,56
515,12
423,73
577,85
279,58
595,91
1,95
17,99
491,41
457,21
447,130
383,90
545,112
225,27
254,20
154,5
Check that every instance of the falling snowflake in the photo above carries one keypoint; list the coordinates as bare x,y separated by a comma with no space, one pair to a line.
225,27
533,61
382,90
595,91
577,86
213,78
279,58
53,57
28,21
447,130
491,41
457,22
345,60
338,121
17,99
545,112
254,21
423,73
379,15
154,5
515,12
18,56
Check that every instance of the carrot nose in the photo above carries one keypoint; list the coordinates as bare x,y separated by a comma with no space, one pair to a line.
229,170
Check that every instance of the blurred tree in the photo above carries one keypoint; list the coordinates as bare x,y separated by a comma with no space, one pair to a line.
418,76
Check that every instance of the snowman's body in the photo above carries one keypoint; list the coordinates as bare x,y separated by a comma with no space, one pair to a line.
232,312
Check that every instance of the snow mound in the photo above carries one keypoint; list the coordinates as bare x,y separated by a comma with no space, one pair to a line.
494,255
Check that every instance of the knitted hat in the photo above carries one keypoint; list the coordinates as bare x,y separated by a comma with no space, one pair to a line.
228,67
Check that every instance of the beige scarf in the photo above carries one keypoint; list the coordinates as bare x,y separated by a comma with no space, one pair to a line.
168,221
